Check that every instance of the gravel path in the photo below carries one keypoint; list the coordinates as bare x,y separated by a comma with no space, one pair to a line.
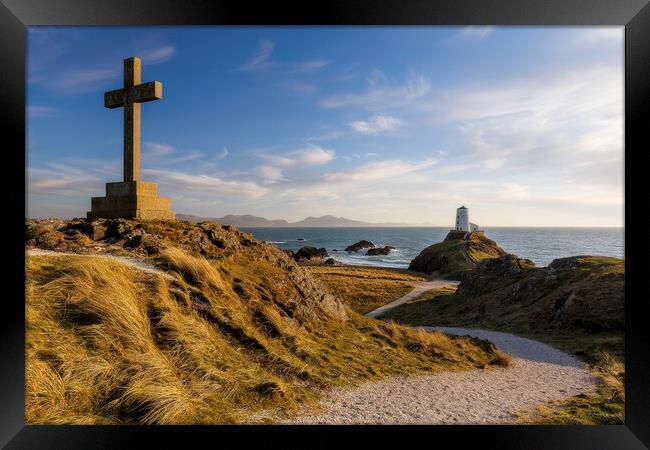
540,373
420,287
138,263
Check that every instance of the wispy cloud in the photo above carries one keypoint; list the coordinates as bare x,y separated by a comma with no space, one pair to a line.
165,154
192,183
380,170
158,55
223,154
312,155
189,156
376,124
310,65
275,164
80,80
50,45
558,122
381,92
63,180
259,60
157,149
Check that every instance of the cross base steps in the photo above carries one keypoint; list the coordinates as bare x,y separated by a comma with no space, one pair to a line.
131,200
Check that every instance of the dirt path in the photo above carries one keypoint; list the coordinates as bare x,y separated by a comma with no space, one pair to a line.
137,263
540,374
420,287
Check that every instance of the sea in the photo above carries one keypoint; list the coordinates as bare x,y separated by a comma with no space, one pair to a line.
540,245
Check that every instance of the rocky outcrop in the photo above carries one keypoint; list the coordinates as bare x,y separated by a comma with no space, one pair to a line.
379,250
302,294
579,293
134,238
310,253
456,255
359,246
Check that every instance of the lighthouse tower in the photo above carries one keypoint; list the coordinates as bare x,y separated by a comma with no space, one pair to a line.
462,219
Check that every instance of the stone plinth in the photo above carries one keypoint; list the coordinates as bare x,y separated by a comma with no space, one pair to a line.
131,200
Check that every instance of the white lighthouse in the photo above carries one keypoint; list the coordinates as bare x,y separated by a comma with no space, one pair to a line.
462,219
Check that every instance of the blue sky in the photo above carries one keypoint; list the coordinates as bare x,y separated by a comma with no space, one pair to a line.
522,125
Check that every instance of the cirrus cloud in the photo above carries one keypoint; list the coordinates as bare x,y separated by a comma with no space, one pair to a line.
275,165
380,170
376,124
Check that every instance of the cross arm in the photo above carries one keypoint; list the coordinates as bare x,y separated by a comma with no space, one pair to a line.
114,99
147,92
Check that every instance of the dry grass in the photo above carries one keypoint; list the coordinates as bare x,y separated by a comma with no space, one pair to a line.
107,344
364,288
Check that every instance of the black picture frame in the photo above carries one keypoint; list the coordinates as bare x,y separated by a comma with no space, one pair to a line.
16,15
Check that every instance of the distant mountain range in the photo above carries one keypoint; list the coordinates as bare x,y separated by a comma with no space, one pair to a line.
249,221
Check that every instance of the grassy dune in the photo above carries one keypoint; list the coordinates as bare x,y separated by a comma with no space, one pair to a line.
366,288
226,339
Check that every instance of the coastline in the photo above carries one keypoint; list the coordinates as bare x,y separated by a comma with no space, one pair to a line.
540,245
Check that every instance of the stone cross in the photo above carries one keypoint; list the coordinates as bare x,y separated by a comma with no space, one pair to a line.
130,96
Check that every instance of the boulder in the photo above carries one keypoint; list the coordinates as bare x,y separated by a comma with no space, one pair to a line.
359,245
310,253
379,250
151,245
120,227
96,230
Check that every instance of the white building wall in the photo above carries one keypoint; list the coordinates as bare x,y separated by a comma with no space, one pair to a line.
473,227
462,219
